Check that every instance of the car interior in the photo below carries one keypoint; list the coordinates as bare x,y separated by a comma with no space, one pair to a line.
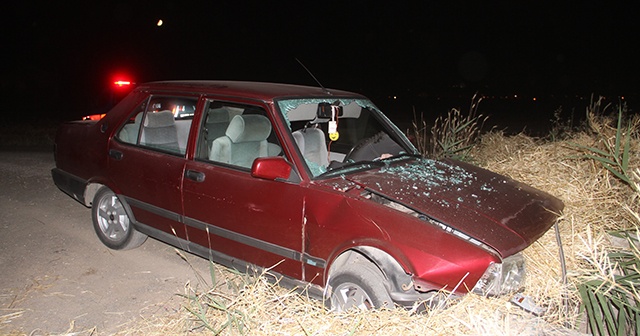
333,134
328,135
244,140
236,135
164,125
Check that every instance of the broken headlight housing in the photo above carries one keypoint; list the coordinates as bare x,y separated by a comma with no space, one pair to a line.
502,278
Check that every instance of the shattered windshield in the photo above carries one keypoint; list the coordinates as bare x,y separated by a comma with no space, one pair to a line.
338,135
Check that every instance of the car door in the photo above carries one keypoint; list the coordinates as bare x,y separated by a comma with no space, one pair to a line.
232,213
147,158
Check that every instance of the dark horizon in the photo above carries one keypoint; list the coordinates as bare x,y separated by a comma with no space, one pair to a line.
61,58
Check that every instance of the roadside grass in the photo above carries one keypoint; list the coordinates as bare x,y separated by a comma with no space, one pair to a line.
613,147
595,171
452,135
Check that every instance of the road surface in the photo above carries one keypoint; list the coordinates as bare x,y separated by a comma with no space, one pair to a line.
56,276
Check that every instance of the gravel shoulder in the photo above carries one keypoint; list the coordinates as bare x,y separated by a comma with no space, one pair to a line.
57,277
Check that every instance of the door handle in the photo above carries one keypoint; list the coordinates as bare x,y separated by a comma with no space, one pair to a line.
116,154
194,175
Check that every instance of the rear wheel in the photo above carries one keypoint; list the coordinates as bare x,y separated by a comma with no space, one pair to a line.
112,223
359,285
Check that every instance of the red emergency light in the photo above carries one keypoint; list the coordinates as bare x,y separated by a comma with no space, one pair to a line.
121,83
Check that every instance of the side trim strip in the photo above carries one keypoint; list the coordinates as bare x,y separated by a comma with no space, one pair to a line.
154,209
228,261
228,234
240,238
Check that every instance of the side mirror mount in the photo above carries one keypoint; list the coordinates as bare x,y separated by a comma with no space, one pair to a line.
271,168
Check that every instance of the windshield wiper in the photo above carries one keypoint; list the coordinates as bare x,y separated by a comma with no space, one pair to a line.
352,167
401,156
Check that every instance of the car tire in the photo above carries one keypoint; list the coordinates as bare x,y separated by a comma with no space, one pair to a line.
359,285
112,223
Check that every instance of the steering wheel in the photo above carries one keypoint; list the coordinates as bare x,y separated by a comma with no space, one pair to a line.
356,149
362,146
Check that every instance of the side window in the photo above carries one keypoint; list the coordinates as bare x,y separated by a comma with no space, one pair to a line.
131,129
160,123
236,134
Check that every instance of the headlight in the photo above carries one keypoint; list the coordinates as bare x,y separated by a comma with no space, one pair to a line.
502,278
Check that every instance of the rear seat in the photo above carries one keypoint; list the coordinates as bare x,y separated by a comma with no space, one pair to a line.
163,132
159,130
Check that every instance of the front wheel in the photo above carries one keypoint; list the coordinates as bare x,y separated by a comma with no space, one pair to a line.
359,285
112,223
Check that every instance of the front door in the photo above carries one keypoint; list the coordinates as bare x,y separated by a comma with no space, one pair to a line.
226,209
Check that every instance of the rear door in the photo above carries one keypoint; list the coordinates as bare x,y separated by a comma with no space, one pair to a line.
229,211
147,159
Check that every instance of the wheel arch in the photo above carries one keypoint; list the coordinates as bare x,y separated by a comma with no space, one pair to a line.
92,189
90,192
398,279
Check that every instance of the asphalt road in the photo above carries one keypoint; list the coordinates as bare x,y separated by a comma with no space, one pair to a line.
57,277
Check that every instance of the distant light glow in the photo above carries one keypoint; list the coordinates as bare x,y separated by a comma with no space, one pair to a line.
122,83
94,117
159,23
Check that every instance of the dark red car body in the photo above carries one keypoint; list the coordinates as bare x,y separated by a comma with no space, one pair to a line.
426,225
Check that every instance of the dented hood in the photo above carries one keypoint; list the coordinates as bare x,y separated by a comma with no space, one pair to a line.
501,212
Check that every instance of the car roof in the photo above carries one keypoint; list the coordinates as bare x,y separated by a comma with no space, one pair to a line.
255,90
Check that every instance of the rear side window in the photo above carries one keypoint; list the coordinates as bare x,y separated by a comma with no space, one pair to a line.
160,123
236,134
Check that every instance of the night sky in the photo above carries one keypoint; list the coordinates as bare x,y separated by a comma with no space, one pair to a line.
60,57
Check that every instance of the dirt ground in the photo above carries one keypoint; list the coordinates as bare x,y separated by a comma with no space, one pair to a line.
57,277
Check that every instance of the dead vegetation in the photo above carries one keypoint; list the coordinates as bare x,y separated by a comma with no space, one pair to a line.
452,135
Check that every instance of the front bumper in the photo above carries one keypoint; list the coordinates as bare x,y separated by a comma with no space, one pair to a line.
69,184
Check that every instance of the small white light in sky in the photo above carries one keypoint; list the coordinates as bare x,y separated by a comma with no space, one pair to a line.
159,23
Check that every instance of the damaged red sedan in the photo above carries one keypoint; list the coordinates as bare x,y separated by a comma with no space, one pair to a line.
315,184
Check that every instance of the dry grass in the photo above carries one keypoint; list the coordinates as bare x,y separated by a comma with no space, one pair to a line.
271,310
452,135
596,202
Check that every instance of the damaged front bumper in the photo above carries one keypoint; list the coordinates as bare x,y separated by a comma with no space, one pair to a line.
502,278
506,277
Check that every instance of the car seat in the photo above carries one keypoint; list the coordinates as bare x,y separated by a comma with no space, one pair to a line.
215,125
245,140
312,144
159,131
